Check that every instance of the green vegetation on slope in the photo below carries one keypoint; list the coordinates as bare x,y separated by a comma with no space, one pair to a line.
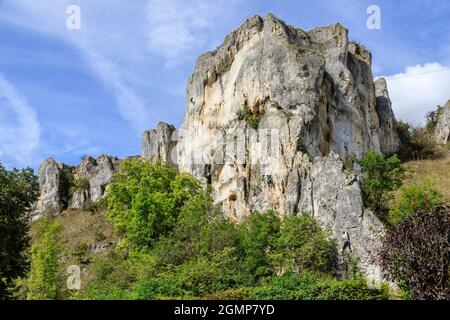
166,240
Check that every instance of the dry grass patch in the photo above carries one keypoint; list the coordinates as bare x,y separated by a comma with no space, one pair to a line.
436,172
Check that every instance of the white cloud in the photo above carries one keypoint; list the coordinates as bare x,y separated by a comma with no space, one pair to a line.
19,128
419,89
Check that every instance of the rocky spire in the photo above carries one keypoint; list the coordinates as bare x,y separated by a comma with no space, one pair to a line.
442,131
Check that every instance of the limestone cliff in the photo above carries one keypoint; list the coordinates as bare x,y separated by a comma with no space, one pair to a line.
59,189
292,104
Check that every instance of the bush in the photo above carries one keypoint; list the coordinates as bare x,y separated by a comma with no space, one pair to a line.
80,252
259,233
432,118
113,279
381,176
43,279
252,117
303,245
417,143
310,286
80,184
416,254
413,199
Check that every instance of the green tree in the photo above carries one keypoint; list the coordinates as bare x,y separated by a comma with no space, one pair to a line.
303,245
260,232
18,190
43,279
381,176
145,200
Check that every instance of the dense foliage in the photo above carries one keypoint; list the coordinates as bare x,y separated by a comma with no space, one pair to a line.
43,278
382,175
195,251
18,190
145,200
418,143
416,254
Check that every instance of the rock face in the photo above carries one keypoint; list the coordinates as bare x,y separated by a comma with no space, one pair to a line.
99,173
272,114
58,184
49,183
159,145
442,131
389,140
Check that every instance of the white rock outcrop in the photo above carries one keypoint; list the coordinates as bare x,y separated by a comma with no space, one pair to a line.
57,182
442,131
159,145
49,183
272,114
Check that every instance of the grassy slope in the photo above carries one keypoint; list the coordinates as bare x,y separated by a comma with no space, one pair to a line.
436,172
80,230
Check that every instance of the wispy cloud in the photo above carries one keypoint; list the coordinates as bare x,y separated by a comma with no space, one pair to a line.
419,89
108,47
19,128
177,28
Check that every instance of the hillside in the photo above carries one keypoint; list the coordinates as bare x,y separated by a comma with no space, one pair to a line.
436,172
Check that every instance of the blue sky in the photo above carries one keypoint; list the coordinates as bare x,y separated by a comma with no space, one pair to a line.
66,93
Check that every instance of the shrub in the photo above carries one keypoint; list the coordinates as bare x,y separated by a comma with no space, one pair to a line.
80,252
259,232
157,288
413,199
43,279
80,184
417,143
416,254
252,117
432,118
113,279
381,176
303,245
310,286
